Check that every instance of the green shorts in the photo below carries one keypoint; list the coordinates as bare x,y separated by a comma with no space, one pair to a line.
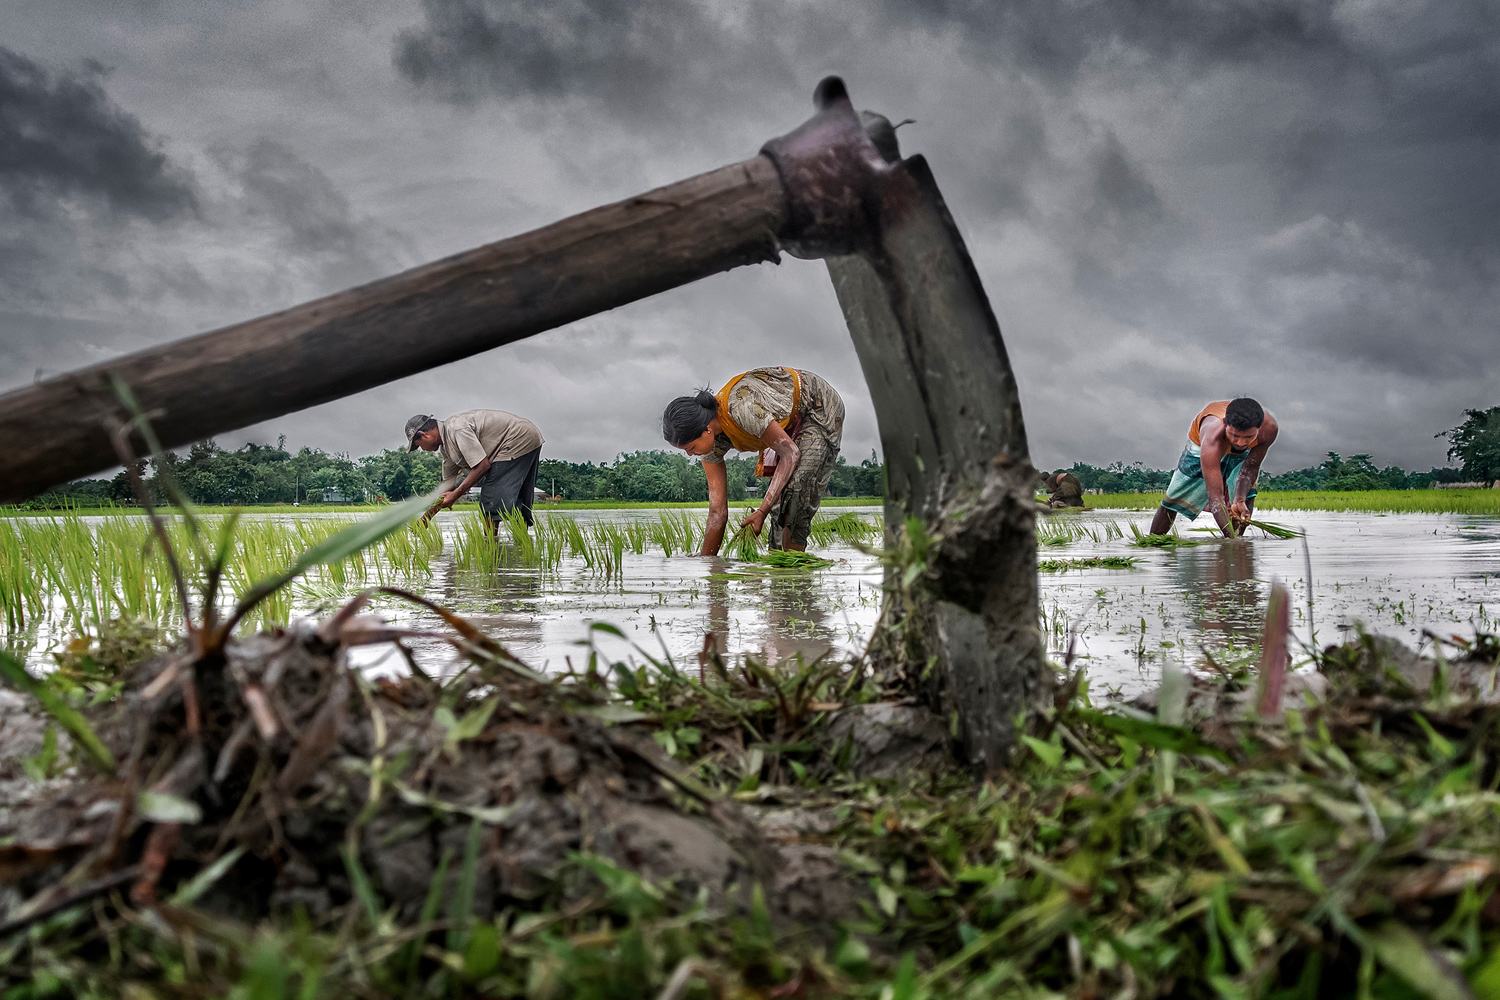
1188,493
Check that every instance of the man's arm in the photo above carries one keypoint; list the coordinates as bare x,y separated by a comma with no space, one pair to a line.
454,495
787,456
718,507
1211,433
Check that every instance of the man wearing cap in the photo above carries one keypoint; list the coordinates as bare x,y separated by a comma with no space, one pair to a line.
497,451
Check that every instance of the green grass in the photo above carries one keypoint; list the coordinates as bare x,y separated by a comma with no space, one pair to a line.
601,546
1051,530
345,508
1343,849
1095,562
76,574
1171,540
60,569
1372,501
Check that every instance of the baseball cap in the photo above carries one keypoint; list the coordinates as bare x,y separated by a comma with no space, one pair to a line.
412,427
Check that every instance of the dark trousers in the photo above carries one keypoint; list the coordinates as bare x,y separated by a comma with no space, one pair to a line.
510,485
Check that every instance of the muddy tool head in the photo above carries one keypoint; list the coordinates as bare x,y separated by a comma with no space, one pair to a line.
835,188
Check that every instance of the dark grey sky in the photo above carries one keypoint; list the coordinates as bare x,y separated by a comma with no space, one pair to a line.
1169,202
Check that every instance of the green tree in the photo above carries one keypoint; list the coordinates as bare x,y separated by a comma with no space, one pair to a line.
1476,444
1355,473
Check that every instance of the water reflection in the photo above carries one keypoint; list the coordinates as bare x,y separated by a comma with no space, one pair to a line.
796,618
1218,584
502,603
716,625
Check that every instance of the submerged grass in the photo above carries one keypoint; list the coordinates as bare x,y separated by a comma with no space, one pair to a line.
78,574
1095,562
1054,530
1171,540
602,545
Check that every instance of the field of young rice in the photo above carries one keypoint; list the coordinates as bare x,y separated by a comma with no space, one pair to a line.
1125,608
65,574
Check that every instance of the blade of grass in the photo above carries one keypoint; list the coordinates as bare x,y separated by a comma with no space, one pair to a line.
461,909
359,879
345,543
191,890
60,710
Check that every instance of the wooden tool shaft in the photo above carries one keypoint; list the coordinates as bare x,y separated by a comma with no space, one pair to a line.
54,431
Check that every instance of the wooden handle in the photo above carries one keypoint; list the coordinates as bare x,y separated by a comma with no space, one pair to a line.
54,431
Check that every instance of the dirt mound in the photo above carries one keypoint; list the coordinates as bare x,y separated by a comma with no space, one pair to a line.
325,779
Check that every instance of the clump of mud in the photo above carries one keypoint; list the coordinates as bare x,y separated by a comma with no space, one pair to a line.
322,777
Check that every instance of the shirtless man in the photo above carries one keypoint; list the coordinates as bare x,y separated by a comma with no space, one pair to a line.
1227,442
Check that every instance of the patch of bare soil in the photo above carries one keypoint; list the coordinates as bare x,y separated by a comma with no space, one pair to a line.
324,778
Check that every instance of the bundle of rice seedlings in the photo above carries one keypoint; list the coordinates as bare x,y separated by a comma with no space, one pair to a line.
1096,562
743,545
848,527
791,559
1271,528
1170,541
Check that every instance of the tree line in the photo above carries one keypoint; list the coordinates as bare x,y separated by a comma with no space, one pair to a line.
1358,472
273,474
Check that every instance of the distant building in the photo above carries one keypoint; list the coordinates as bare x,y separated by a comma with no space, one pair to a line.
334,496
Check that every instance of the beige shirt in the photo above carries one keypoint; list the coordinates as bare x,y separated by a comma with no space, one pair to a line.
470,437
765,395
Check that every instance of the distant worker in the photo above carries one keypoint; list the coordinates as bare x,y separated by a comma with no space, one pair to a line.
1227,442
1064,488
793,418
497,451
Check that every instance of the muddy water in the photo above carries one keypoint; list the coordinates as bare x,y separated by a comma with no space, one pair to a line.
1398,574
666,606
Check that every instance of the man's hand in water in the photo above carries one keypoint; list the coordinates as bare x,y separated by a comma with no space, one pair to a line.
1240,511
756,521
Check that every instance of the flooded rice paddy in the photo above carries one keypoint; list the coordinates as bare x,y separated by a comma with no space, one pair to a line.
1399,574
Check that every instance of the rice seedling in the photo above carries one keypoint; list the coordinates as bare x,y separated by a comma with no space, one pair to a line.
1051,530
1054,532
1269,527
1095,562
1167,541
78,573
792,559
849,528
677,531
743,545
611,540
410,553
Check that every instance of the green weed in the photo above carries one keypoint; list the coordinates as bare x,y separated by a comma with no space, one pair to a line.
1095,562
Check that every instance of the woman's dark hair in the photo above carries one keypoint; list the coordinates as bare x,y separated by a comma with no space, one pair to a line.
687,417
1244,414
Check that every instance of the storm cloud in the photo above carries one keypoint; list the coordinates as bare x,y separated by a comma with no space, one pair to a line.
1169,201
62,138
